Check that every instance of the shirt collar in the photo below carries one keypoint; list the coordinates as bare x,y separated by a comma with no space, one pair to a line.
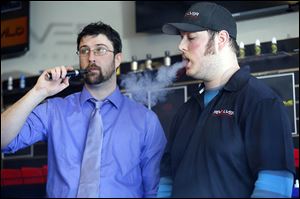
238,79
115,97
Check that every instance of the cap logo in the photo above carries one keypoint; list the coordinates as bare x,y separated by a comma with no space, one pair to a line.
191,14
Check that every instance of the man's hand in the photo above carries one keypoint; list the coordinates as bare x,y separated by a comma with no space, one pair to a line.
59,81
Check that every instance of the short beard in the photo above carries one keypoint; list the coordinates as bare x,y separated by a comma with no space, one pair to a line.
94,79
210,61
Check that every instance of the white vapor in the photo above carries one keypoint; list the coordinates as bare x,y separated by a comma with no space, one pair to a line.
139,84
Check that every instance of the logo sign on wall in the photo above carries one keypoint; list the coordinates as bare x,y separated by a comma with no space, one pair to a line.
14,28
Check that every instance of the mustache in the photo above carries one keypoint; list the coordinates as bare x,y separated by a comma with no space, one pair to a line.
93,66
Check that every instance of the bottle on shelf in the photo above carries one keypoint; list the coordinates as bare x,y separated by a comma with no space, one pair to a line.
22,83
134,64
148,62
274,48
118,72
167,58
242,50
10,83
257,48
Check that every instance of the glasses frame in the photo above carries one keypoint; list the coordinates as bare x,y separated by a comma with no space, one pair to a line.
94,51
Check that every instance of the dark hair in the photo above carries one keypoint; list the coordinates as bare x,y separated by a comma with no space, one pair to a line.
232,42
102,28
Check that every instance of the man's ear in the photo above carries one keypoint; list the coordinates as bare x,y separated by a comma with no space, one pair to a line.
223,39
118,60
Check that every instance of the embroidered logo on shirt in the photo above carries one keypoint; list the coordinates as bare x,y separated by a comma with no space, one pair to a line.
223,112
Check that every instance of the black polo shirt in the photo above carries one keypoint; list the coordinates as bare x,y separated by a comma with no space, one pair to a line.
218,150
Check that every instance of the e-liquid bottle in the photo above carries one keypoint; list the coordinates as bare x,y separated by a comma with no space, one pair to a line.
118,71
257,47
242,50
167,58
10,83
134,64
274,48
22,82
148,62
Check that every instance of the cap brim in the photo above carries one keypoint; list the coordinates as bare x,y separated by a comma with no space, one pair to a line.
175,28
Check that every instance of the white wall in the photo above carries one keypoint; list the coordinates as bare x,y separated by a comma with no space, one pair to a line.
54,27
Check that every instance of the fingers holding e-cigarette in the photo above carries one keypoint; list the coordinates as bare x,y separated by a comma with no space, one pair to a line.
59,72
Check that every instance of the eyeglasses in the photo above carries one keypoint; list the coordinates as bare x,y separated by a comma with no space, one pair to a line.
98,51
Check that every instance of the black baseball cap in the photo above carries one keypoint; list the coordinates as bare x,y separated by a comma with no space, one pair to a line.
204,16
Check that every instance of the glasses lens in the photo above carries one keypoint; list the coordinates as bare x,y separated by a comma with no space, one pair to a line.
100,51
84,51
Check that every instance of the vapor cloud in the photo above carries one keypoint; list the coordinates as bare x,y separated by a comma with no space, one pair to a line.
141,84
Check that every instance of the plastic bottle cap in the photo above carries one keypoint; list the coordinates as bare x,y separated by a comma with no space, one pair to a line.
257,42
242,45
274,41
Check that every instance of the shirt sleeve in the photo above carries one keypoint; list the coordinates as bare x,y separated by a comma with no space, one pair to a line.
168,164
152,151
165,187
165,164
268,138
33,130
273,184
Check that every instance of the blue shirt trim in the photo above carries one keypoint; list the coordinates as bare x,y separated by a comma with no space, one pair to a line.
273,183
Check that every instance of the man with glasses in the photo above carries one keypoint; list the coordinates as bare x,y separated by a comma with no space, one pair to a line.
133,139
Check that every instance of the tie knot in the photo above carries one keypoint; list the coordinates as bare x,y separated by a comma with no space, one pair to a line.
96,103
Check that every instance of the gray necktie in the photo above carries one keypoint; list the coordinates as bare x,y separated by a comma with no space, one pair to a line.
89,183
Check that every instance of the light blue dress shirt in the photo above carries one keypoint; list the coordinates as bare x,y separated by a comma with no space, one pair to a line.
133,144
